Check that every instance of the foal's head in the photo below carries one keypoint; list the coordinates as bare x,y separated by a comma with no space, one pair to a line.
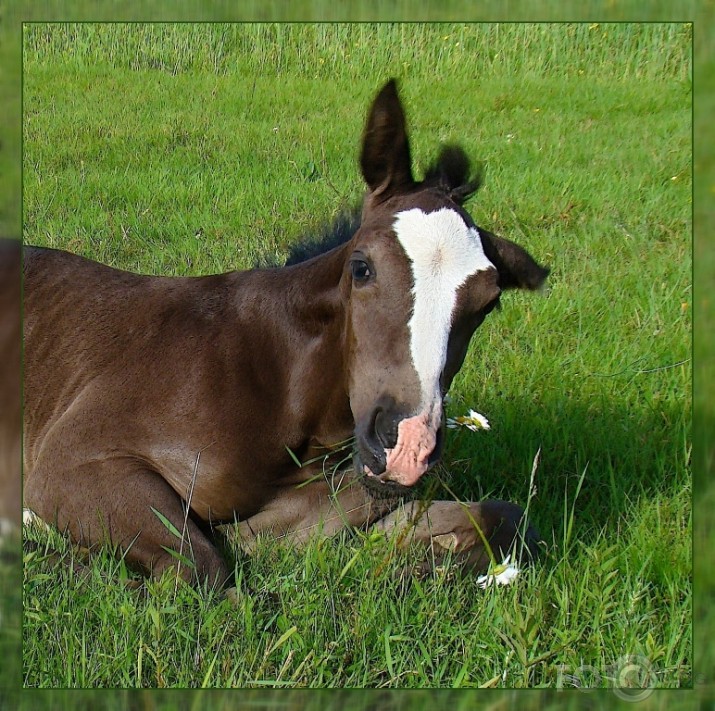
420,278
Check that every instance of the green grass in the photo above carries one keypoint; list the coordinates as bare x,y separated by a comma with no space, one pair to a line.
10,612
195,149
359,50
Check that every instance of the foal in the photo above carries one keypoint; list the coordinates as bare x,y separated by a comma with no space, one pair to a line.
195,397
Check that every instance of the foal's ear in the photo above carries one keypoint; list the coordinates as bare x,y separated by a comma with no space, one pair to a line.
452,172
385,157
516,267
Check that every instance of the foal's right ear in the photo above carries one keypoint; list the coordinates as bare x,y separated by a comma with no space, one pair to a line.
516,267
385,157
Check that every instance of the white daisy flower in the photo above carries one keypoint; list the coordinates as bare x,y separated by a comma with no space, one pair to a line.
502,574
473,421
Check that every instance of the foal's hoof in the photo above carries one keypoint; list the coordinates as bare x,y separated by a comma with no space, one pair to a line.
507,534
471,535
233,596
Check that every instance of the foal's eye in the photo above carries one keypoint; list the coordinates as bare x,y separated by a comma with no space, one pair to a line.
361,270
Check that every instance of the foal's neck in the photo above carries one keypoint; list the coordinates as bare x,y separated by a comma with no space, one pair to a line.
305,308
314,293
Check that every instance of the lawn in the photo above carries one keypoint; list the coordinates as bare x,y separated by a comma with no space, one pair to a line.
193,149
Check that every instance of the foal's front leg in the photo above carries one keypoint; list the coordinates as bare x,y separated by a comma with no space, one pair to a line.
470,532
323,507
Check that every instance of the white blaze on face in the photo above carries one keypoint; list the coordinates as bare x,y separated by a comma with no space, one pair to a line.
444,252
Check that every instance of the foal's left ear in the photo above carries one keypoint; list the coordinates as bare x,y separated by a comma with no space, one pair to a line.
385,157
516,267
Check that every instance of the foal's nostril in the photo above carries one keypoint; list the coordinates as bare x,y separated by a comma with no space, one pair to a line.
386,428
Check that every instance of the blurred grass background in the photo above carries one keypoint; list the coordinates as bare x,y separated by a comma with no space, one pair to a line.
363,50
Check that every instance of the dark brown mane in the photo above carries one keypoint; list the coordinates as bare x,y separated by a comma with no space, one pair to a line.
338,232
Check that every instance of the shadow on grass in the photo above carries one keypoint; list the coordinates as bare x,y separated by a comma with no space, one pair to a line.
623,457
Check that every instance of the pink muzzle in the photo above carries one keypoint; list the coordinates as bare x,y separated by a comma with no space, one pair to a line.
416,440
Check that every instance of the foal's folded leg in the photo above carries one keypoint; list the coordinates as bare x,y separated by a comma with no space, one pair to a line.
470,533
111,502
323,507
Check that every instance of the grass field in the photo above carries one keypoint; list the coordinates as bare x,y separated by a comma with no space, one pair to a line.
187,149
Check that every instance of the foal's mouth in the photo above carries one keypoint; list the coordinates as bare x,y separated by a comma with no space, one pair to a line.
383,482
377,484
